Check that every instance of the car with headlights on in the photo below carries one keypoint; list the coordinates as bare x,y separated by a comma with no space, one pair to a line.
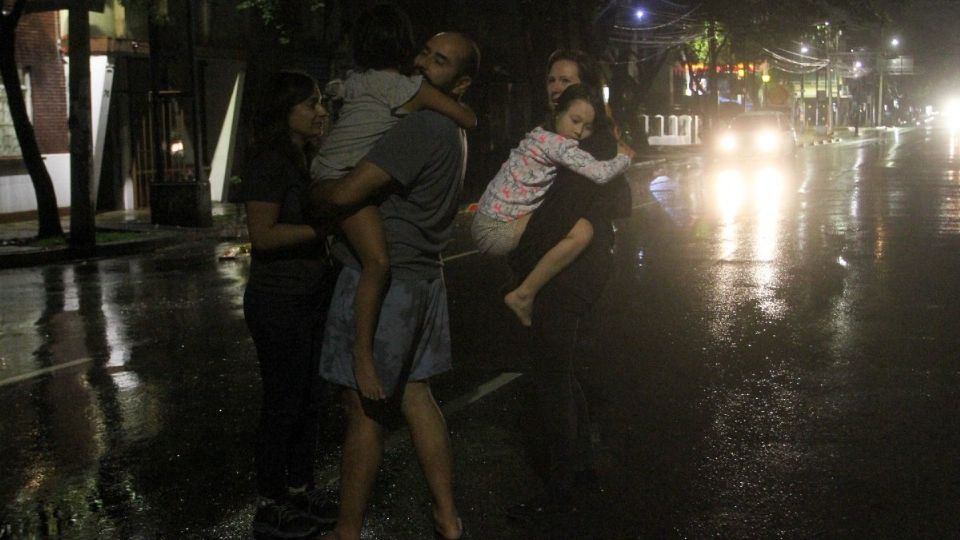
756,135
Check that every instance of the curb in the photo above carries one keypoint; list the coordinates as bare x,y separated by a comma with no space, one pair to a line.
820,142
41,256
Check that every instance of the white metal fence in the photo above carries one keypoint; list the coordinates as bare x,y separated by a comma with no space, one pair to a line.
671,130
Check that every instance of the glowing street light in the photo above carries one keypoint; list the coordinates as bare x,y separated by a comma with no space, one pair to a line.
857,65
895,42
639,14
804,49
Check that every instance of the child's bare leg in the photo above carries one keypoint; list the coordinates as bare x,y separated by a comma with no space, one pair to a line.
364,231
520,300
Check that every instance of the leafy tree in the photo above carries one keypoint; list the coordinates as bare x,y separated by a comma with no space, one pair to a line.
48,216
280,15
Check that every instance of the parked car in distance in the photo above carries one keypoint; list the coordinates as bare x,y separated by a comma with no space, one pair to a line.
757,135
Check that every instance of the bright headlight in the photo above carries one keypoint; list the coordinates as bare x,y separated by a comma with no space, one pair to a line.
727,142
766,141
951,113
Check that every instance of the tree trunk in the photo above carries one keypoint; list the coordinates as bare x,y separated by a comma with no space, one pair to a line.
48,215
82,233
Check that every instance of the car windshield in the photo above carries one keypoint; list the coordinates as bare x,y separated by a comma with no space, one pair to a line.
753,123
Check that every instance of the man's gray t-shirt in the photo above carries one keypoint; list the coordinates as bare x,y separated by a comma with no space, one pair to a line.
426,154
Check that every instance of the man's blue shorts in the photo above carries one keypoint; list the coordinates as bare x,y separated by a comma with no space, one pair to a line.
412,342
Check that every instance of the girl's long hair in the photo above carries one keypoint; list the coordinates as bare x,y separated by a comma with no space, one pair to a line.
383,38
271,130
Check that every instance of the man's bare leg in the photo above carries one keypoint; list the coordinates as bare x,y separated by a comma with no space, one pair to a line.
428,430
362,454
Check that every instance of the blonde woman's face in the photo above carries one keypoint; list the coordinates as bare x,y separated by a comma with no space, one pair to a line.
576,122
308,119
562,74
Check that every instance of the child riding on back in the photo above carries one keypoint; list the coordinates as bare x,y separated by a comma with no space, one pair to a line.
523,180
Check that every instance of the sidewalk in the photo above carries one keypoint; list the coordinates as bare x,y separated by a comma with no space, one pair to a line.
122,232
840,133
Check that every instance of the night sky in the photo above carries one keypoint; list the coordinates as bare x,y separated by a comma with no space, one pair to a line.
931,33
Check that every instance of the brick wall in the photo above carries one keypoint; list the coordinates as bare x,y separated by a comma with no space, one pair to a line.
37,52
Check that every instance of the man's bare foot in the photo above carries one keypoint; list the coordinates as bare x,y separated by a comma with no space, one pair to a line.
522,306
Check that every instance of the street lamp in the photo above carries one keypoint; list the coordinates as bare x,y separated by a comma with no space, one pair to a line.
881,67
639,14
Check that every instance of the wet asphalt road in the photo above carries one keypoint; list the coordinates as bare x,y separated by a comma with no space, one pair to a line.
775,356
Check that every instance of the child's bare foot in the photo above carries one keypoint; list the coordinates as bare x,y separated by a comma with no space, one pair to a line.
522,306
368,382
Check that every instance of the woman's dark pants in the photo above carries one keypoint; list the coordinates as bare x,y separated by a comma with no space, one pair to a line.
287,332
563,406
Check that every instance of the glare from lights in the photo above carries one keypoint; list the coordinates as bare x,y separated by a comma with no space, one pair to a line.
766,142
728,143
804,49
730,193
768,190
858,64
951,113
765,78
895,42
639,14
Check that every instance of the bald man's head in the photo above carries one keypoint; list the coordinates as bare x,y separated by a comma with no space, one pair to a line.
450,61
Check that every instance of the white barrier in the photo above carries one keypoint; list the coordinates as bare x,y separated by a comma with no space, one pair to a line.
672,130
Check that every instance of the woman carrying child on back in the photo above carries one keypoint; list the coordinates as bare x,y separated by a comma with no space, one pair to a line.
523,180
376,95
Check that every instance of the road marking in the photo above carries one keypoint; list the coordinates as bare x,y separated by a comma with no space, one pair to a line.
38,372
641,205
460,256
478,393
330,475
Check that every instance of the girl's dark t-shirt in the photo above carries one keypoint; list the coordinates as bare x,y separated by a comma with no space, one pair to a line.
274,178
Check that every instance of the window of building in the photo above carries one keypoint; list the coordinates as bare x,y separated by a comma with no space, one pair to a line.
9,145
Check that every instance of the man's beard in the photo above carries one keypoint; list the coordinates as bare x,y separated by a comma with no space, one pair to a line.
431,82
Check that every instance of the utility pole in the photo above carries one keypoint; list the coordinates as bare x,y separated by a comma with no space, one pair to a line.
831,76
878,110
830,62
880,69
803,103
816,100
